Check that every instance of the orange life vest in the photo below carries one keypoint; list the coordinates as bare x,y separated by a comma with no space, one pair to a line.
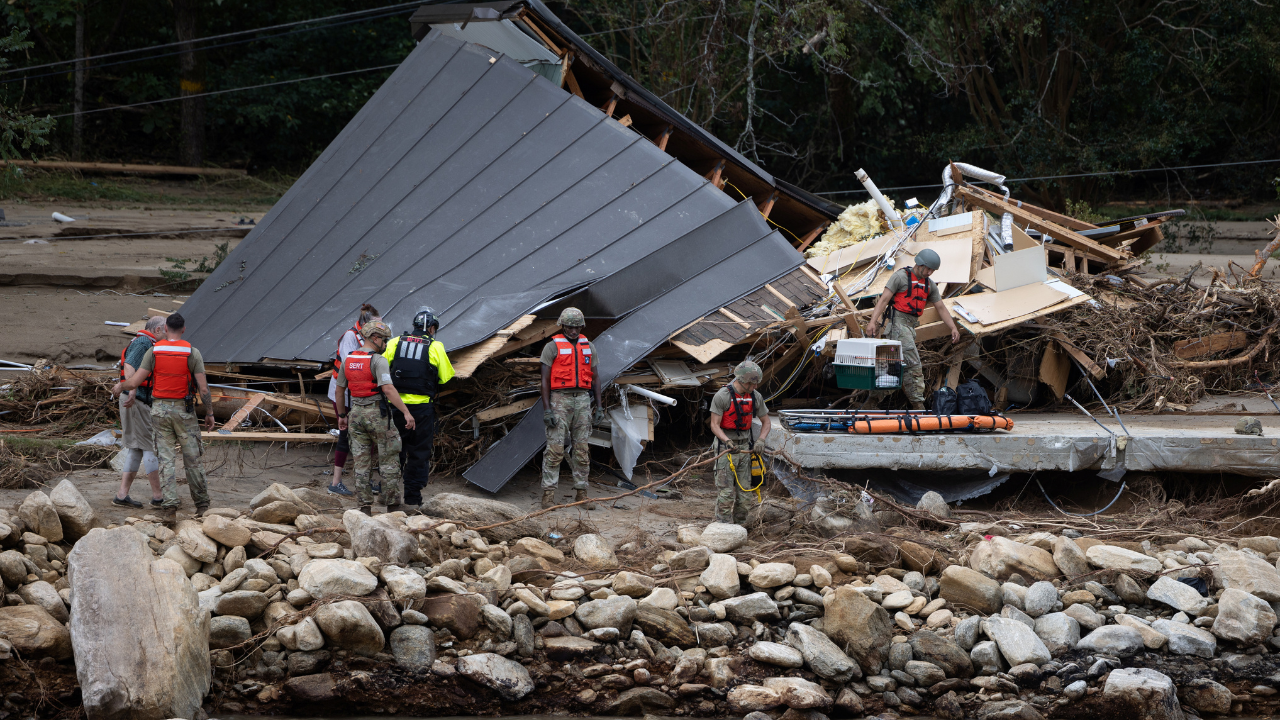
358,369
171,378
337,354
741,410
572,366
150,378
914,298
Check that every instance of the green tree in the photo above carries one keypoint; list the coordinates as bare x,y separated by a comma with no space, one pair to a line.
19,131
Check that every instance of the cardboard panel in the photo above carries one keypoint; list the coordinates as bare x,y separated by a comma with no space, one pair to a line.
1021,267
991,308
956,256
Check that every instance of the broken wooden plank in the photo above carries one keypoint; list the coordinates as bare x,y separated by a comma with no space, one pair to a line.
1048,227
766,207
735,318
714,175
663,137
1085,361
238,417
1219,342
312,406
505,410
812,235
466,362
270,437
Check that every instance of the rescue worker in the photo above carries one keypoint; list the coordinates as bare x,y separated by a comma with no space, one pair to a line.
366,375
732,409
349,341
568,384
178,371
419,366
906,295
135,419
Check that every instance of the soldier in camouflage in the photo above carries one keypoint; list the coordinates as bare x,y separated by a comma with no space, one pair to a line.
569,382
733,408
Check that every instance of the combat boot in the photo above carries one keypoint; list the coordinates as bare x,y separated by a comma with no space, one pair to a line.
393,508
367,510
581,495
168,516
548,498
202,509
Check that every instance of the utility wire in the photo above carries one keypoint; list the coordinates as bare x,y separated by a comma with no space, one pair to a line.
215,37
231,90
1075,175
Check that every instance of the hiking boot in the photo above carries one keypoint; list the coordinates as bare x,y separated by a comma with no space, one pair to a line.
548,498
917,406
581,494
202,509
367,510
340,489
126,501
168,516
395,507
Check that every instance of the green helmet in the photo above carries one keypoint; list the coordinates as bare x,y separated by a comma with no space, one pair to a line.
375,327
572,317
929,259
748,371
1249,426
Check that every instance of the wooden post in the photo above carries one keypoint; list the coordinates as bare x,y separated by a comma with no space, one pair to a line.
714,175
663,137
808,239
609,106
767,206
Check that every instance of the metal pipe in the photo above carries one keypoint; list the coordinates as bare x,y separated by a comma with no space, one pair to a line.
1091,417
651,395
895,220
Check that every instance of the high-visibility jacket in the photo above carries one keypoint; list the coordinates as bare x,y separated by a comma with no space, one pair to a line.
740,411
411,368
914,298
171,378
358,369
572,366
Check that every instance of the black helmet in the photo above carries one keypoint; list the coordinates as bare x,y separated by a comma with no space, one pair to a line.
425,318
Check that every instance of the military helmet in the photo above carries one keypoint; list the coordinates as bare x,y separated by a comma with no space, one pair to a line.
375,327
1249,426
572,317
929,259
425,318
748,372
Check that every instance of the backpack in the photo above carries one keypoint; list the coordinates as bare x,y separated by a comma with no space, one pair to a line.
945,401
972,399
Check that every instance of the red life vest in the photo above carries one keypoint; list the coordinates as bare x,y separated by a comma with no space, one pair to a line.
914,298
337,354
741,410
171,378
572,366
150,378
358,369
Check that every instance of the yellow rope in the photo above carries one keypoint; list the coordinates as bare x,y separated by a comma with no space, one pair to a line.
738,481
766,217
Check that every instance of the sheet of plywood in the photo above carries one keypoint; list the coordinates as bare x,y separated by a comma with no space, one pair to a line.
1021,240
1020,267
956,258
706,352
853,255
991,308
986,277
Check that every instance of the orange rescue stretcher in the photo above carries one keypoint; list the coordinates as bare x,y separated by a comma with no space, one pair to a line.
927,423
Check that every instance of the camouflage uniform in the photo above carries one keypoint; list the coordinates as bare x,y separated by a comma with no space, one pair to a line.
367,428
902,327
572,409
173,425
732,502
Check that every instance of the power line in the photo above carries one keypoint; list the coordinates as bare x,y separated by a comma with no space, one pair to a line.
215,37
231,90
1075,175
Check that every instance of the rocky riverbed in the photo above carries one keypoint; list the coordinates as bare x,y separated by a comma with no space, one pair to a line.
471,608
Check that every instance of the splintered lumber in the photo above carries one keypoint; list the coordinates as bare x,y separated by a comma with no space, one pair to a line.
1048,227
505,410
270,437
239,415
1265,253
1085,361
1237,360
1220,342
466,362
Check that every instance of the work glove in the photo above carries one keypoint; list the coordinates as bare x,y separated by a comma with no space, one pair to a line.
549,419
599,417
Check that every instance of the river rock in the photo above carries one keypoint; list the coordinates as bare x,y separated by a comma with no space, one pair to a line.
476,511
639,701
753,698
1114,640
43,594
746,609
1151,639
721,576
459,613
1110,557
594,552
934,504
664,625
34,633
858,625
798,693
1069,558
633,584
971,589
41,517
1130,591
498,622
230,630
987,658
74,512
140,639
1178,596
1243,618
1089,619
194,542
772,653
275,492
508,678
1145,694
567,648
662,597
1001,557
413,646
1008,710
279,512
695,558
224,531
941,651
371,537
1186,639
1206,696
723,537
1059,631
615,612
403,584
329,578
1246,572
349,625
533,547
823,657
1018,643
1040,598
771,575
244,603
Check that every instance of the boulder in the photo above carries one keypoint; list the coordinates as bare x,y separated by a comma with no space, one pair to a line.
863,628
1144,694
1069,558
40,516
244,603
1115,640
1001,557
1085,615
34,633
43,594
461,614
751,698
194,542
317,688
224,531
823,657
987,658
1206,696
971,589
349,625
633,584
403,584
1179,596
230,630
74,512
772,653
721,576
371,537
798,693
278,512
476,511
942,652
533,547
920,558
1243,618
771,575
1040,598
746,609
567,647
662,597
508,678
594,552
1110,557
413,646
1151,639
723,537
1059,632
1246,572
140,639
1186,639
275,492
329,578
615,612
639,701
1018,643
695,558
926,673
1008,710
498,622
665,626
1130,590
934,504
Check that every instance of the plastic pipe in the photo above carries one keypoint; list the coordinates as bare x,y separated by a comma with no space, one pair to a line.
651,395
895,220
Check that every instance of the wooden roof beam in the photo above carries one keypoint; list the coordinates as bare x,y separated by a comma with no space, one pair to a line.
998,206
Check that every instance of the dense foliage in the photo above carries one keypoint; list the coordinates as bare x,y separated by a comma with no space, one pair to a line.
812,89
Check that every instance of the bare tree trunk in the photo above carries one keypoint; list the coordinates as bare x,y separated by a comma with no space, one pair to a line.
191,83
77,123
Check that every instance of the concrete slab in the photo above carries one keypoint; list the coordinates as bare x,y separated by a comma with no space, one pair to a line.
1182,443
